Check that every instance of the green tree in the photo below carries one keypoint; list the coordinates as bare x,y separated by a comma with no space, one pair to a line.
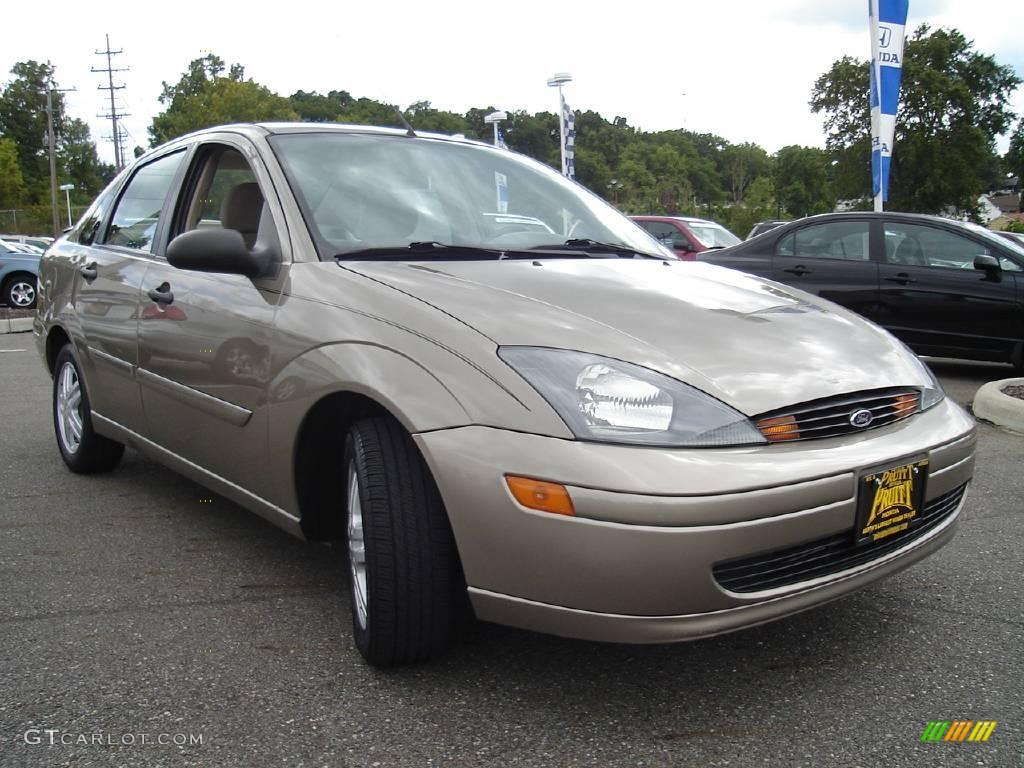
205,96
365,111
742,164
953,104
23,121
314,107
758,205
801,181
423,117
12,184
534,135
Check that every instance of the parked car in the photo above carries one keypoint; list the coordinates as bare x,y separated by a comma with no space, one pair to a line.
505,417
37,241
763,226
1015,237
687,236
943,287
19,268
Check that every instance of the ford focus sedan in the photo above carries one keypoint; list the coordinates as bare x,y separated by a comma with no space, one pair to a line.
469,371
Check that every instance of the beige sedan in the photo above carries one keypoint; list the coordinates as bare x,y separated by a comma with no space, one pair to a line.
499,393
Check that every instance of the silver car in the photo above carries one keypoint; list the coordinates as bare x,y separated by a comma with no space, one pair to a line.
557,426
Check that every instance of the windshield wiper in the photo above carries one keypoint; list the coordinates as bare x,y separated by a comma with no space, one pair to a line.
419,250
592,247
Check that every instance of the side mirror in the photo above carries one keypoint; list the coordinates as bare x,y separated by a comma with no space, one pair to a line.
216,250
986,263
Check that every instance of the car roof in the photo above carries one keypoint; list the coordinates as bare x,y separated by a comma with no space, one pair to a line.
254,130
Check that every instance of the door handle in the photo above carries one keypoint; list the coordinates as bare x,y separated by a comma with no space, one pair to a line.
800,270
161,294
902,278
88,272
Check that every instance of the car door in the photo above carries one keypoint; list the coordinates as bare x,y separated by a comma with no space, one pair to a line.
831,259
110,259
205,337
933,298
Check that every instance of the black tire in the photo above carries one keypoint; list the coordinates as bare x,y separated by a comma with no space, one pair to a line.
93,453
20,285
413,580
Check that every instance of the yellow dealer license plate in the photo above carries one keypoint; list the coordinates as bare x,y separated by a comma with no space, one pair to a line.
890,501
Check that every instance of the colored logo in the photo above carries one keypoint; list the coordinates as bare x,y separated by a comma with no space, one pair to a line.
861,418
959,730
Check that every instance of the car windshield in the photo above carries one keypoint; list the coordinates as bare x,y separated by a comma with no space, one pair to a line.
361,192
712,235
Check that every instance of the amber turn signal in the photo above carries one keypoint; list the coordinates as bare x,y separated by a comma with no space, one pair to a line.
779,429
540,495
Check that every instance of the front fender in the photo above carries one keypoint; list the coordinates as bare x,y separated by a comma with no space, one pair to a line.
397,382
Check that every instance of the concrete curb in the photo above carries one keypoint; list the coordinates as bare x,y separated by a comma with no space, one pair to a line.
1002,410
15,325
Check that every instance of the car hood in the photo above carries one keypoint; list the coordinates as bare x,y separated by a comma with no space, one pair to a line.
754,344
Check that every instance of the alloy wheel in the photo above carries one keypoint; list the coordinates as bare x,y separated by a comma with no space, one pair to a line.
357,546
69,408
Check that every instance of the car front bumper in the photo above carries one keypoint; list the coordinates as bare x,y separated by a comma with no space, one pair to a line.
637,562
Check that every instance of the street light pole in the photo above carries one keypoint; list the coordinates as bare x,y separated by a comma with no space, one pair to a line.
557,81
66,188
495,119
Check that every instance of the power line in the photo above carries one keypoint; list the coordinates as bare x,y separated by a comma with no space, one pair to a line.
116,134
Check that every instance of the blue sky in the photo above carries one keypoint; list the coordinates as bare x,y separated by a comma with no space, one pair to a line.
742,69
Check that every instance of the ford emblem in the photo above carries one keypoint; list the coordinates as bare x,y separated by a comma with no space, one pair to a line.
861,418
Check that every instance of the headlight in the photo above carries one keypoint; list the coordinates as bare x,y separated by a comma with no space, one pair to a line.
932,392
612,401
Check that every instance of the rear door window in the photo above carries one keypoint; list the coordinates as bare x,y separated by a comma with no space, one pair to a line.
839,240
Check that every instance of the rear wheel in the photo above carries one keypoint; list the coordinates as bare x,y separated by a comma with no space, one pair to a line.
83,450
402,558
19,291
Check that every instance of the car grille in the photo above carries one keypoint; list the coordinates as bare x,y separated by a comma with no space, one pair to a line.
827,555
834,416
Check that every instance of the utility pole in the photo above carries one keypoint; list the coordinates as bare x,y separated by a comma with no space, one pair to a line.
51,141
114,116
53,159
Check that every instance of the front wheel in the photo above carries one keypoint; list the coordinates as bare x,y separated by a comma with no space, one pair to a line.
83,450
403,564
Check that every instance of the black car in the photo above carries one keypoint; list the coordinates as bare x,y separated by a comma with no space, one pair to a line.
943,287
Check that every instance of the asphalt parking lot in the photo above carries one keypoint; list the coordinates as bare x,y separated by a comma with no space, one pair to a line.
130,605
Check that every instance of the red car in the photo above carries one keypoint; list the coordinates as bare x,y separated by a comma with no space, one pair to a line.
687,236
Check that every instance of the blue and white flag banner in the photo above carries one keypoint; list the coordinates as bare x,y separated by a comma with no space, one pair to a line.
569,131
501,191
888,32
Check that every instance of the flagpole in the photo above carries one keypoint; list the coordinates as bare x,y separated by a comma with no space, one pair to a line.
888,19
558,80
561,129
873,10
